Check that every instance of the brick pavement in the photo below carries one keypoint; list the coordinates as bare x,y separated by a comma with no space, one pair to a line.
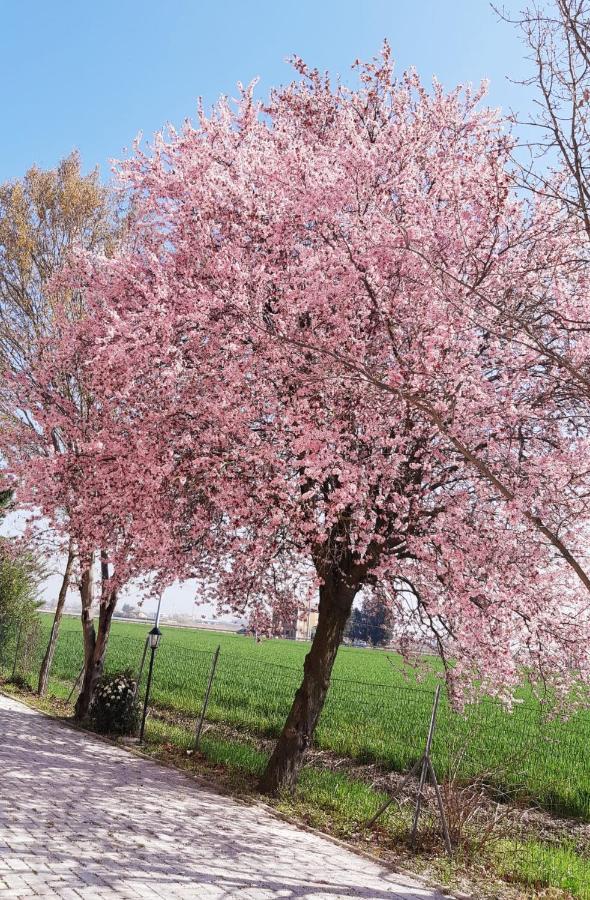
82,819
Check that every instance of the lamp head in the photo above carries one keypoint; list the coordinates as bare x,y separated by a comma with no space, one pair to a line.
155,637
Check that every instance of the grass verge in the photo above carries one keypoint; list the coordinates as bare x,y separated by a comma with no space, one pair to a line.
540,865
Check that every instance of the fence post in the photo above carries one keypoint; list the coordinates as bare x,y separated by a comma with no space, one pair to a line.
17,650
425,765
441,808
413,771
206,700
76,683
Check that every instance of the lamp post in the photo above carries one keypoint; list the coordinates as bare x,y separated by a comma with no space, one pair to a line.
154,638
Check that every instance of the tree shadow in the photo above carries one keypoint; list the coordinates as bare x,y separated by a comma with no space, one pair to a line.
90,816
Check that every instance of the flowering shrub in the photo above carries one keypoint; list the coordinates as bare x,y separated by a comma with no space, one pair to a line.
115,709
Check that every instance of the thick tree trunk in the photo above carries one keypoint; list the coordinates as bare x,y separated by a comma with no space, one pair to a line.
286,761
49,653
95,641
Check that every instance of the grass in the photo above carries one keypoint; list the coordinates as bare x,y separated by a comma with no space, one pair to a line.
376,710
539,865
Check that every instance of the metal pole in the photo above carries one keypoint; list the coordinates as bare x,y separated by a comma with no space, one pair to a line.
395,794
418,802
147,695
16,652
141,665
157,622
206,700
432,721
76,683
425,765
441,808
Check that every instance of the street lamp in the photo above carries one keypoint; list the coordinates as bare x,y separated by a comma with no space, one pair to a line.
154,638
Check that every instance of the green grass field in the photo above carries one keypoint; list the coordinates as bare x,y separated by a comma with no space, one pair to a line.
376,710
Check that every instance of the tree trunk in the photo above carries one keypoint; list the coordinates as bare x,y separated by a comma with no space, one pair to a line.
95,641
89,636
286,761
49,653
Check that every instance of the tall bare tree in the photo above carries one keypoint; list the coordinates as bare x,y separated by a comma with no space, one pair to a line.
556,35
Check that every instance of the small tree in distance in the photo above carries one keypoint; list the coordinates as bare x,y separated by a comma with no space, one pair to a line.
372,622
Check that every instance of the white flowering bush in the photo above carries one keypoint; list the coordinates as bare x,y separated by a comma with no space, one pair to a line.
115,709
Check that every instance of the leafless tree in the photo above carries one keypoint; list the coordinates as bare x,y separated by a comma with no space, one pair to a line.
556,35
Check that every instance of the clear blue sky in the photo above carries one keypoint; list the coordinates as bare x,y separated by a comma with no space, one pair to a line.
92,74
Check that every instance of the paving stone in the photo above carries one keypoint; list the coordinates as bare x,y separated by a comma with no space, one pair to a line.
82,819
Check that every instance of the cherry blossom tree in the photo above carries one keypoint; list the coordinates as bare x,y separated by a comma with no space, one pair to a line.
311,374
42,217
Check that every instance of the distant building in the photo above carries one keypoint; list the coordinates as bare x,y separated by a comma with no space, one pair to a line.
303,625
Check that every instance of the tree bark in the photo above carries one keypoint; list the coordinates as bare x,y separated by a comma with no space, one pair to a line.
49,653
285,763
95,641
89,636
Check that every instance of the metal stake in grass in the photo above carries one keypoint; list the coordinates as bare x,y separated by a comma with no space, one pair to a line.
206,700
76,683
424,765
425,770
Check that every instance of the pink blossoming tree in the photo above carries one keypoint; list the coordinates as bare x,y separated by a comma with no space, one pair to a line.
42,217
312,372
52,421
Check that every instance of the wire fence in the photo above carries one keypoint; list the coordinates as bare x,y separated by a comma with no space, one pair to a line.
521,753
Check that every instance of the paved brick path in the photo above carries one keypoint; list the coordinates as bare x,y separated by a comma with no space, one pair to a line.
82,819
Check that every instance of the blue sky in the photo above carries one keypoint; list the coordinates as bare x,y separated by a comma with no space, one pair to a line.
92,75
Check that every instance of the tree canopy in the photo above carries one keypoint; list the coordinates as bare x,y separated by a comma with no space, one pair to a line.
330,356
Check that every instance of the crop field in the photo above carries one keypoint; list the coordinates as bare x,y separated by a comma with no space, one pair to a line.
376,711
